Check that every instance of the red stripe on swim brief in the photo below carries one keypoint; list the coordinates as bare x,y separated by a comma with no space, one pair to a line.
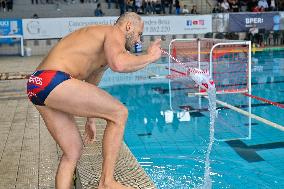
47,77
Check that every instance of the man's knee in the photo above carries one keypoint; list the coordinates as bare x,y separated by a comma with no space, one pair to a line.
121,114
75,154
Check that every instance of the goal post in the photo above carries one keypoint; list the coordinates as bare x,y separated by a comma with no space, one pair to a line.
12,45
228,62
237,56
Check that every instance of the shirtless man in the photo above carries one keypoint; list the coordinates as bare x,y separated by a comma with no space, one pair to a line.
64,84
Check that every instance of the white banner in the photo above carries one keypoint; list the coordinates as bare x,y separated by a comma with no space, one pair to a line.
172,25
45,28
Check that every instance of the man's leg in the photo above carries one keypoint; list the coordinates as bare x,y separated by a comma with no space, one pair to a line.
64,131
84,99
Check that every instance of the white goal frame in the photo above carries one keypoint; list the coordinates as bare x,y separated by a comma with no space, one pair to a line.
15,37
211,72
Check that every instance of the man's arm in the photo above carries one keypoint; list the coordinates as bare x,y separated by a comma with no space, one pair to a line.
120,60
90,126
90,131
95,80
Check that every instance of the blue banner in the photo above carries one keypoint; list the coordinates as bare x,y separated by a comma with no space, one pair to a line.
10,27
243,22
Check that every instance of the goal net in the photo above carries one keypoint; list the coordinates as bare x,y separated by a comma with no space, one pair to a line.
229,65
227,62
11,45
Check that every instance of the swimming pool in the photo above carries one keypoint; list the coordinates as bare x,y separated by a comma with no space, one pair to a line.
171,145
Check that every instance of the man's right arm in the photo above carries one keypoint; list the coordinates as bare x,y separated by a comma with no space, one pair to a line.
120,60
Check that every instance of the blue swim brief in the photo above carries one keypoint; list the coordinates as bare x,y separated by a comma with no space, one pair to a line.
42,82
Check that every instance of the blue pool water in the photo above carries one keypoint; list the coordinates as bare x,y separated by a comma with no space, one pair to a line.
171,144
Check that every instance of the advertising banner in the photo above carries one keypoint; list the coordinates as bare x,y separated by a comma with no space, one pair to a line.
242,22
220,22
45,28
154,25
165,25
10,27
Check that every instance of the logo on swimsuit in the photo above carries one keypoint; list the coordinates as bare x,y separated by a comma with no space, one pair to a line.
30,94
36,80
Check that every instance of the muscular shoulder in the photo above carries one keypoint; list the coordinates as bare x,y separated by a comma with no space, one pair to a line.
103,29
95,31
88,37
89,32
114,36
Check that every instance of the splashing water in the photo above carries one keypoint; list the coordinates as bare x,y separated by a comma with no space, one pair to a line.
207,183
204,81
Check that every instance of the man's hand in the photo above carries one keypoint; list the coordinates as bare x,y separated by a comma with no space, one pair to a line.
154,50
90,131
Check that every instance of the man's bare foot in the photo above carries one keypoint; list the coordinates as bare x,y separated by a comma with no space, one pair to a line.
90,132
113,185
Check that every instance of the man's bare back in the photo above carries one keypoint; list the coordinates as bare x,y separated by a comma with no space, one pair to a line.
81,54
